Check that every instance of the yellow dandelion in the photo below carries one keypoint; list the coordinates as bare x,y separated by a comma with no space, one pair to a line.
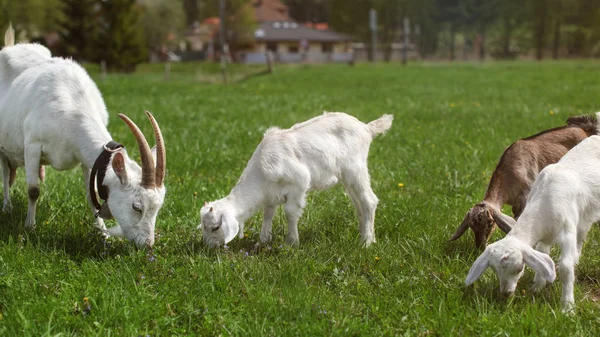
195,193
377,258
483,173
523,291
85,299
452,105
245,235
552,112
400,185
47,222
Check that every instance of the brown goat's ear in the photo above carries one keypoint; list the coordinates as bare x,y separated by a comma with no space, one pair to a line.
463,226
503,221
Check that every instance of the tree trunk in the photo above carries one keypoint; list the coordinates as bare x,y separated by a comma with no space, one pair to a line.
482,47
452,38
556,44
539,33
191,11
506,37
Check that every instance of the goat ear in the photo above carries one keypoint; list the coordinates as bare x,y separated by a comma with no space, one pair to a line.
230,226
505,222
118,165
463,226
104,212
540,262
478,267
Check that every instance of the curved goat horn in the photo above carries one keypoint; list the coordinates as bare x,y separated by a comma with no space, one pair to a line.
148,171
161,155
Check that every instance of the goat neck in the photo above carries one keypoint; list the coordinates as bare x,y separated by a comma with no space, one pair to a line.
248,195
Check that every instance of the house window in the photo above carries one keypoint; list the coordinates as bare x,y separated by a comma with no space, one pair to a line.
272,46
293,49
326,47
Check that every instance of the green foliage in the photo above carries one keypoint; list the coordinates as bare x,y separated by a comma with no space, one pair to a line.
239,21
161,18
31,18
452,123
78,29
121,36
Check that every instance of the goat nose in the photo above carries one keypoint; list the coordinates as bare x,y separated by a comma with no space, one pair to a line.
508,294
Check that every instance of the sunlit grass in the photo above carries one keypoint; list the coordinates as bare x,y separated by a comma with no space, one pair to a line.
452,123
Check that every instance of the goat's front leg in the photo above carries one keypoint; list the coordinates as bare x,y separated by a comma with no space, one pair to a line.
33,154
293,211
539,281
86,178
566,268
267,225
7,205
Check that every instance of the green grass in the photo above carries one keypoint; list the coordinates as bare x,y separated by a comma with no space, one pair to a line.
452,124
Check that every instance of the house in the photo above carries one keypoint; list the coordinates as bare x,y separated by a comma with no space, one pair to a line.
290,41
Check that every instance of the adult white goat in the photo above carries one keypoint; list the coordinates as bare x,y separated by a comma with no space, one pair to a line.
563,203
51,113
315,154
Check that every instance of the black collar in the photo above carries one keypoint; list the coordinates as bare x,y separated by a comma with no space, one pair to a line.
99,171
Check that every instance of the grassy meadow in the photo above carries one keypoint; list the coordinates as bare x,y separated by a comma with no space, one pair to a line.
452,123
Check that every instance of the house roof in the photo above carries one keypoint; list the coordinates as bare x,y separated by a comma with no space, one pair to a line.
279,31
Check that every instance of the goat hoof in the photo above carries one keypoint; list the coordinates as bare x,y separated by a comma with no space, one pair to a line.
368,241
7,208
264,238
537,286
568,308
29,223
292,241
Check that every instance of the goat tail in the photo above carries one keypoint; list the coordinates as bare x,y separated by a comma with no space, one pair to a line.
588,123
9,36
380,125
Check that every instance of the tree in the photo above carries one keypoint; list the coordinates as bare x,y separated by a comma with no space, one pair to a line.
121,37
191,8
31,18
77,28
239,22
161,18
452,13
308,10
480,15
424,13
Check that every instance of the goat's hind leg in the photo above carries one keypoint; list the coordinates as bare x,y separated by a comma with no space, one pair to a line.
358,187
6,182
294,207
33,154
566,268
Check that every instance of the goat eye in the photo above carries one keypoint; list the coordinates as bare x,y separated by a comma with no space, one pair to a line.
137,207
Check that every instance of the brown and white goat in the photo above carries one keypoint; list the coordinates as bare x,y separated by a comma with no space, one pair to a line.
519,165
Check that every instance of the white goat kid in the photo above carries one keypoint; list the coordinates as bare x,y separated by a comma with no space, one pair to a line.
51,113
563,203
315,154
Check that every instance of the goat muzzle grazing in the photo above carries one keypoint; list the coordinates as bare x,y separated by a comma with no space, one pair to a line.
151,176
